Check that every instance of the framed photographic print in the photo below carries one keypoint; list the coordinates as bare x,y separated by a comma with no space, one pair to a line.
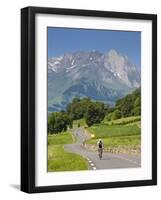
88,99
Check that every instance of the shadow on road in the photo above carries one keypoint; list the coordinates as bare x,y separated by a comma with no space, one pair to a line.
105,159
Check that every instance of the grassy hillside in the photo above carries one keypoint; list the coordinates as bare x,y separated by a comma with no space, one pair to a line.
119,141
122,121
117,134
63,138
59,159
103,131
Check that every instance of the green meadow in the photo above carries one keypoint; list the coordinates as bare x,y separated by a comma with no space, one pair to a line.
123,132
119,127
59,159
122,121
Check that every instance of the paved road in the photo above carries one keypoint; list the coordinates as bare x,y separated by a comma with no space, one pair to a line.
109,160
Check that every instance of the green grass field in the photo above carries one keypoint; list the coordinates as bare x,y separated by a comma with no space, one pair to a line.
123,132
61,138
118,141
120,133
59,159
122,121
103,131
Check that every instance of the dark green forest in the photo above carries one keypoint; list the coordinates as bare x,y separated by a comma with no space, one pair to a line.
94,111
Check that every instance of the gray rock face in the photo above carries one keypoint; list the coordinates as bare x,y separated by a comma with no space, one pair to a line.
104,77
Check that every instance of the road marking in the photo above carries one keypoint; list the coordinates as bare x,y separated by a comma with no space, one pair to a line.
91,164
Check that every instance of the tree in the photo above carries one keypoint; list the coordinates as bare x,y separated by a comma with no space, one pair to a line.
137,111
116,114
95,113
59,121
126,106
137,106
51,122
137,102
78,107
109,116
76,100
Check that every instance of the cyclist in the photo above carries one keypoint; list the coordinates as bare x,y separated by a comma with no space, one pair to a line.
100,148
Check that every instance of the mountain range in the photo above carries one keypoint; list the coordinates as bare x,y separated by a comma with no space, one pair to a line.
104,77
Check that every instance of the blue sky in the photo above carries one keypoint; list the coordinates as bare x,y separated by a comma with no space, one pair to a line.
68,40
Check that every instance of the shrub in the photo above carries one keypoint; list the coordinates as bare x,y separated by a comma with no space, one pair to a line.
95,114
137,111
116,115
109,117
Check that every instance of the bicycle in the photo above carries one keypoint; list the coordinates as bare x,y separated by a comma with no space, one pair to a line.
100,152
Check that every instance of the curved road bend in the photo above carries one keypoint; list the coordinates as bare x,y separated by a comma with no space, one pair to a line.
109,160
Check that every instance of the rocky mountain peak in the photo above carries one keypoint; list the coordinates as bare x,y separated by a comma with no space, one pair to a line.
91,73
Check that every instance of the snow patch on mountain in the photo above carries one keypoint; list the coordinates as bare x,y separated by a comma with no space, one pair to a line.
119,65
100,76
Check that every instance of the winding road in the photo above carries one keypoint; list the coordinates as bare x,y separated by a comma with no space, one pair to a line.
109,160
